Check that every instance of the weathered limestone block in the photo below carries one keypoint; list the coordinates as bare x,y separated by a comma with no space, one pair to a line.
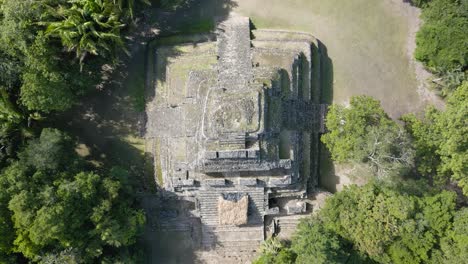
253,153
183,183
272,211
295,207
231,165
247,181
280,182
233,154
215,182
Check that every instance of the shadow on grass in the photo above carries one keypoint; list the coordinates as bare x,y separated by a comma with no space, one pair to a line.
327,178
326,73
192,23
194,16
110,122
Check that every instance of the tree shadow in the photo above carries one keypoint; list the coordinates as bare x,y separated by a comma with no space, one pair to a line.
191,14
192,24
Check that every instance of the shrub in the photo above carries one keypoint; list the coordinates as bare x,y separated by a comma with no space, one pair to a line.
441,41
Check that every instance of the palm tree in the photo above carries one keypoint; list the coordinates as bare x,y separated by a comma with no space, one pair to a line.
88,27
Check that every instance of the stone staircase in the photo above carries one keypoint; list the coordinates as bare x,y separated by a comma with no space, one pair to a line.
246,237
287,224
234,54
233,140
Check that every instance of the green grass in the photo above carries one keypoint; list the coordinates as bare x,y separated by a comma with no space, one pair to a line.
135,82
366,41
138,94
195,27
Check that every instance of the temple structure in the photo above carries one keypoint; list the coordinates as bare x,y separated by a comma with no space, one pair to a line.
233,127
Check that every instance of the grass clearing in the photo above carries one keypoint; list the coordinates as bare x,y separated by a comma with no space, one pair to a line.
195,27
366,41
136,142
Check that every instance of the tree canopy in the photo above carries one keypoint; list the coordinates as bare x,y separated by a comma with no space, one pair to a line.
364,133
44,45
440,140
59,206
377,224
40,73
441,40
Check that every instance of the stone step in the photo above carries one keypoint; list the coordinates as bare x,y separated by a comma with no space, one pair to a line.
214,221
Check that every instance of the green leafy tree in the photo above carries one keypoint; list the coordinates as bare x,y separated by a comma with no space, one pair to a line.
378,224
426,141
34,68
51,83
50,152
364,133
7,233
440,141
454,247
441,41
454,144
274,251
60,210
313,241
68,256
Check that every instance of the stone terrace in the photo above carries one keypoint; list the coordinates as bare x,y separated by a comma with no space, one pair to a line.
238,116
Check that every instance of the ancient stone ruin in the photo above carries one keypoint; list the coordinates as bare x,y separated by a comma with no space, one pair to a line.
233,127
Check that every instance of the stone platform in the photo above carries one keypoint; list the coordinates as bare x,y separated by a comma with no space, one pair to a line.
236,116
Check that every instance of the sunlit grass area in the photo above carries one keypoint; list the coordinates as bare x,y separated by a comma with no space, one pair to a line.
366,41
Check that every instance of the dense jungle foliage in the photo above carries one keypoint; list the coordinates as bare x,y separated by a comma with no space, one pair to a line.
56,207
442,42
379,224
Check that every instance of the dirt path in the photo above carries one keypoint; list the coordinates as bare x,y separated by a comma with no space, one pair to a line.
369,42
423,77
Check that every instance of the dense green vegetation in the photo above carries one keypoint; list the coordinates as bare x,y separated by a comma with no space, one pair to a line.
441,143
434,147
54,203
56,207
363,132
376,224
442,41
40,73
